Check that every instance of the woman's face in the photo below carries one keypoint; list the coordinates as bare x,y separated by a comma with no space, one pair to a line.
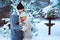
23,18
21,10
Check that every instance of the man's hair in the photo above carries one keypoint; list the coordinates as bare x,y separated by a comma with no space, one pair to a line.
20,6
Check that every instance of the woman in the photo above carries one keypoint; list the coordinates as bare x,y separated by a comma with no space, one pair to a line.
26,24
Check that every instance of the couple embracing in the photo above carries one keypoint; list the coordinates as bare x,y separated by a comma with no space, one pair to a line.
20,25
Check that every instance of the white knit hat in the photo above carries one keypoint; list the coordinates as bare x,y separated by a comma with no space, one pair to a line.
23,14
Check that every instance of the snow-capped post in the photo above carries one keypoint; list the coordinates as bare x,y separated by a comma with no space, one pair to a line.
50,15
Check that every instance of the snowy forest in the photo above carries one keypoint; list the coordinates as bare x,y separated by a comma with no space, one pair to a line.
42,13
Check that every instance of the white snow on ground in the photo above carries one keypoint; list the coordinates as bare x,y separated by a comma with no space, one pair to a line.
42,33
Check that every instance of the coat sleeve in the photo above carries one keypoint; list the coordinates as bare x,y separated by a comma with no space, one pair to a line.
28,24
13,20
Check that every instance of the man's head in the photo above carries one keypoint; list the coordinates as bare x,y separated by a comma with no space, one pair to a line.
20,7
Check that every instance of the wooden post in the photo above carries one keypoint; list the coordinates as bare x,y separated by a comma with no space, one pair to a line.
50,24
49,30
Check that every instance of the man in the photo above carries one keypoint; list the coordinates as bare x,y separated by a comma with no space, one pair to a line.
16,30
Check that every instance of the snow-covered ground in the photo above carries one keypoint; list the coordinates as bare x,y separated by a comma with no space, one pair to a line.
42,33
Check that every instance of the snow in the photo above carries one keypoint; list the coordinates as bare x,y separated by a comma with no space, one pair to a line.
40,28
42,33
54,2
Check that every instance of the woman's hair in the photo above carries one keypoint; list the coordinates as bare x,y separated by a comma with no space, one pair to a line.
20,6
